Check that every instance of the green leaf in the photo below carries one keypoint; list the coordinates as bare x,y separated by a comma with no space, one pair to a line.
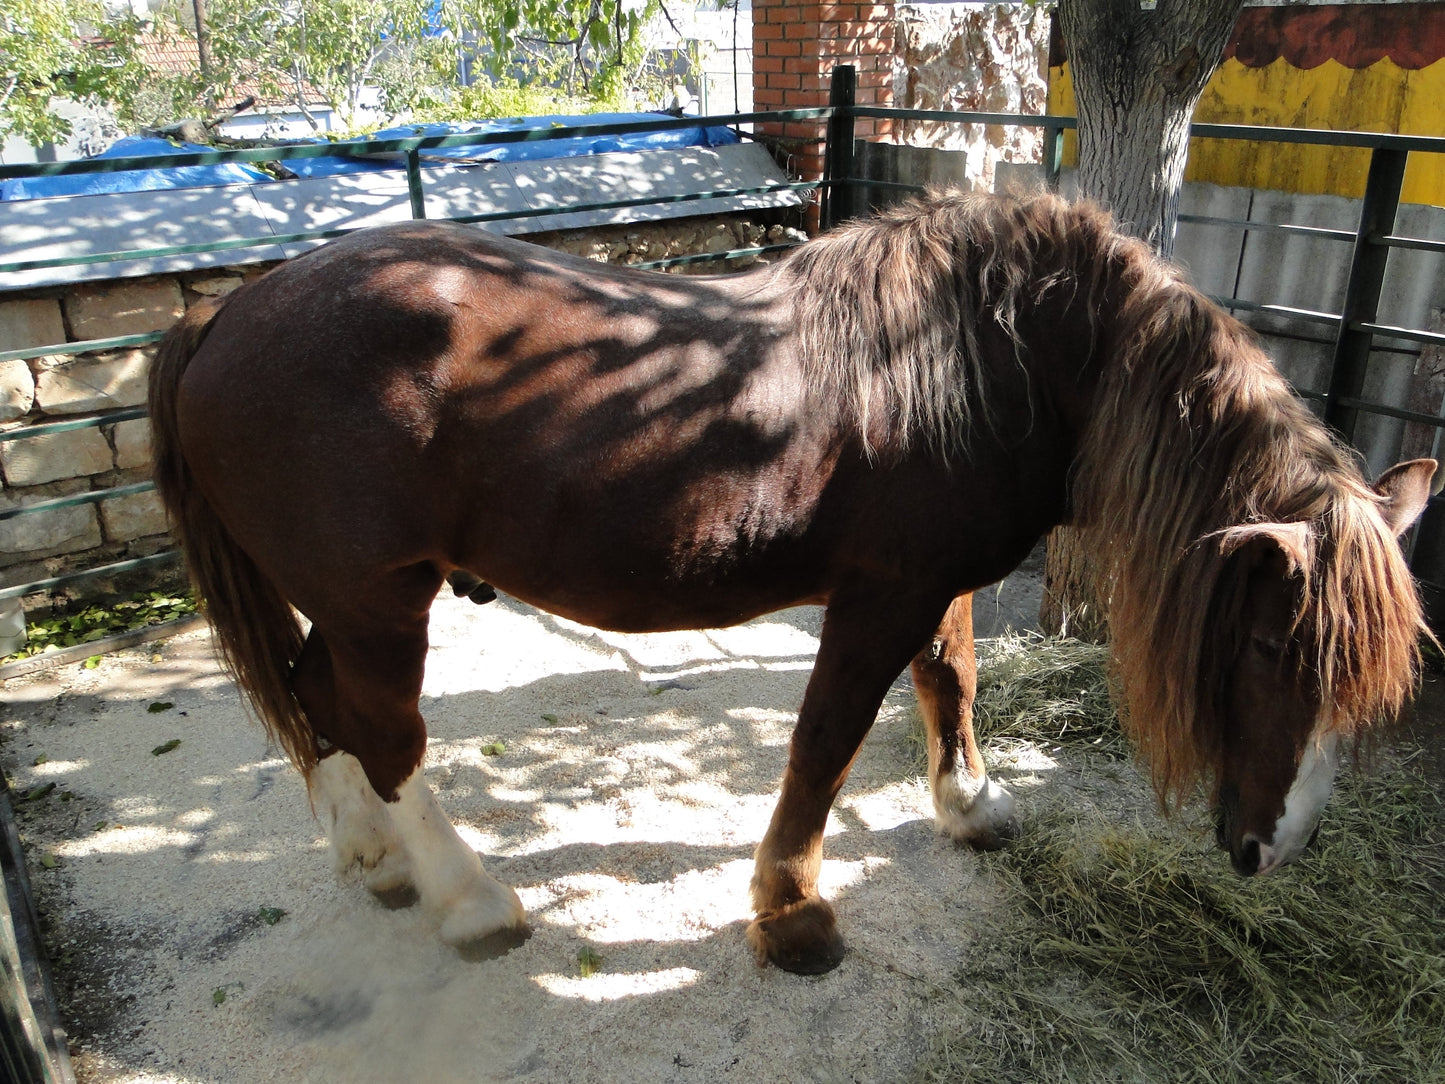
39,792
159,706
218,995
270,915
93,662
589,961
493,749
160,750
548,717
49,861
41,759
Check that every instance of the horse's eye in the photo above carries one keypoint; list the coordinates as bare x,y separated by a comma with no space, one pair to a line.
1270,647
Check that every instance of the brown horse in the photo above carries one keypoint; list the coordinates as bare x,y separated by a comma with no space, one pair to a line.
882,423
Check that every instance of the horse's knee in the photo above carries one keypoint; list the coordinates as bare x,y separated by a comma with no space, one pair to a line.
802,937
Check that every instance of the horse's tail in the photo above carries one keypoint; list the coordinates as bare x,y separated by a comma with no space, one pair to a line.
256,630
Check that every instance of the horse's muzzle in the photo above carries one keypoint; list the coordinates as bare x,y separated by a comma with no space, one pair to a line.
1244,858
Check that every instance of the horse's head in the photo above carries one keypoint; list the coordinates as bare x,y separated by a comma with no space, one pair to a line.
1294,682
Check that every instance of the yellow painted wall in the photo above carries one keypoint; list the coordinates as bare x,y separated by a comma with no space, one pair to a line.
1380,98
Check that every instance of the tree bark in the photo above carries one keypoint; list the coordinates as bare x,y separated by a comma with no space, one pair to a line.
1139,68
1138,73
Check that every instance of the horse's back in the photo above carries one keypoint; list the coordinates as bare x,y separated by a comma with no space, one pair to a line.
427,393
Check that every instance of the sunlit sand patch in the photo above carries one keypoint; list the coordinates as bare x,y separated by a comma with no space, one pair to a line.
606,986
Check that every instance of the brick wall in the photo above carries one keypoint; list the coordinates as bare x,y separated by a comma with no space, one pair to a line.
796,46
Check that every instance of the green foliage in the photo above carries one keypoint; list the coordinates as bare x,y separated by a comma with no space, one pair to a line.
505,98
95,622
594,48
63,49
543,57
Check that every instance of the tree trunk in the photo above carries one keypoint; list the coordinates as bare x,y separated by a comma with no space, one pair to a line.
1139,68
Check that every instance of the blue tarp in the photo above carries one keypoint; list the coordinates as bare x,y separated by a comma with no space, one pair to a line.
135,180
244,173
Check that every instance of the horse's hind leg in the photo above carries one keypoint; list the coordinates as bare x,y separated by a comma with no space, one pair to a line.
967,805
360,693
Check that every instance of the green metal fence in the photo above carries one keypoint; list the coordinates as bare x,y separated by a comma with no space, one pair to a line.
414,151
1355,330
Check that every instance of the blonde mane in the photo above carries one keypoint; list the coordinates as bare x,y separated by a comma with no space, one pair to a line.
1194,432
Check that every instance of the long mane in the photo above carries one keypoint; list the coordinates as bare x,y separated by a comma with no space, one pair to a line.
1194,432
890,308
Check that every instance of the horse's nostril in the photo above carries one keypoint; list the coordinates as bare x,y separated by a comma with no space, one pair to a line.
1246,860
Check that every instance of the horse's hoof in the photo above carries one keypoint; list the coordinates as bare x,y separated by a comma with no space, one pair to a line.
489,913
388,875
802,938
494,945
396,898
989,822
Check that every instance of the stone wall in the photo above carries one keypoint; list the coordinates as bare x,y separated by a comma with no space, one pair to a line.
60,386
990,58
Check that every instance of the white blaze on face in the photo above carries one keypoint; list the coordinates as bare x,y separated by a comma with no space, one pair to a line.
1313,781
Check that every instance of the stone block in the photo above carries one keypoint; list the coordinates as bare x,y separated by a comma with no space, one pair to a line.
33,322
33,461
17,390
59,530
134,516
106,309
103,382
132,442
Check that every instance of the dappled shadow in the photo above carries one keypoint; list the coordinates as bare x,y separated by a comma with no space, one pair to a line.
628,833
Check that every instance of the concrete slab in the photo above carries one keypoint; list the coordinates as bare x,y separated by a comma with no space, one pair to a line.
82,225
43,229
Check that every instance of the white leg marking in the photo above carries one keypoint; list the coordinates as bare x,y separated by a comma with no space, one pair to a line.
358,825
1313,782
973,809
448,874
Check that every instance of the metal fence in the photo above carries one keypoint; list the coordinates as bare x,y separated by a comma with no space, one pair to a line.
1355,330
413,150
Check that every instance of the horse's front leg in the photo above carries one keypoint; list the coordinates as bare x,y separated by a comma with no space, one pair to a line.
967,805
863,647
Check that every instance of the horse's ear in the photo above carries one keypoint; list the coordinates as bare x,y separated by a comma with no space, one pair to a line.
1406,488
1291,539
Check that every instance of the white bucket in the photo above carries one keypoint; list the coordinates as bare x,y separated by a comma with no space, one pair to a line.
12,626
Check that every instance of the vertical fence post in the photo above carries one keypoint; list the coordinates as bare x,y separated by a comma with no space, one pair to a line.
1362,289
840,196
413,183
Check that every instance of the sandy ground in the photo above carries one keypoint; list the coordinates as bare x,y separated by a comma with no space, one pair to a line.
638,774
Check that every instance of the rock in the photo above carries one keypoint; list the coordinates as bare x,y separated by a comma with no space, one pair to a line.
17,390
30,323
105,310
33,461
215,285
133,516
60,530
132,442
86,384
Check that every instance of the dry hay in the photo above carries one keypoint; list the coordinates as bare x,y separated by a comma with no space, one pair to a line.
1139,956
